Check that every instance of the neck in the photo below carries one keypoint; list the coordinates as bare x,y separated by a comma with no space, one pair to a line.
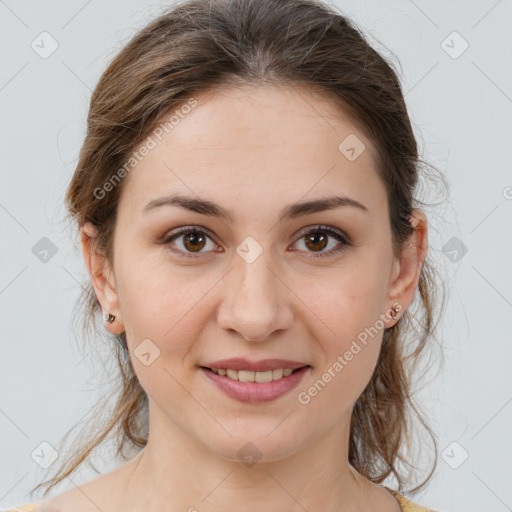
176,472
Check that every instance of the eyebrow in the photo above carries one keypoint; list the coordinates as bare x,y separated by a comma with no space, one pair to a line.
292,211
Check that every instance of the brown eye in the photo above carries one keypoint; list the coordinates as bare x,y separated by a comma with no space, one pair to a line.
194,241
190,241
317,239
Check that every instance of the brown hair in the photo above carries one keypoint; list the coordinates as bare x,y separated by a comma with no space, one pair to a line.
201,45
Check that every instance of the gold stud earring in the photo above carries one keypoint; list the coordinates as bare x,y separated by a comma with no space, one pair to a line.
109,317
396,308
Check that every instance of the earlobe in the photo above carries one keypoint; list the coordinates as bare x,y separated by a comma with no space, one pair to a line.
102,278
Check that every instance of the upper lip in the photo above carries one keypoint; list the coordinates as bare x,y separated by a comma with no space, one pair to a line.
240,363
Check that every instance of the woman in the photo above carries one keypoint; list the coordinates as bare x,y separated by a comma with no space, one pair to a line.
245,200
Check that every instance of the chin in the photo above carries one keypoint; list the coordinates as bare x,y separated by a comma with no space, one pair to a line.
254,445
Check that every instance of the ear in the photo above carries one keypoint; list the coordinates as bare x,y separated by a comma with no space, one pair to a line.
102,277
407,269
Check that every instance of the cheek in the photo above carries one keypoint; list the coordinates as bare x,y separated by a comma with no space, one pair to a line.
353,301
171,318
351,328
164,318
164,305
349,356
151,295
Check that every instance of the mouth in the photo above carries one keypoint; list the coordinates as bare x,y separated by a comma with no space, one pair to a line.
255,387
250,376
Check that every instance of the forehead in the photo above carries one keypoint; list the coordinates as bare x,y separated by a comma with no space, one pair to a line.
263,144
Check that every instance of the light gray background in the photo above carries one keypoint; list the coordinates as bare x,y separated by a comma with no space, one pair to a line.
461,109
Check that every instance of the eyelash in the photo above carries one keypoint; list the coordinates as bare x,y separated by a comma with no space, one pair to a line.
345,242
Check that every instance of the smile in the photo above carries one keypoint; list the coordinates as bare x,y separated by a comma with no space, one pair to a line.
248,376
255,387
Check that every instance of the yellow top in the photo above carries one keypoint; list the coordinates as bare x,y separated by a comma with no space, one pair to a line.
31,507
405,504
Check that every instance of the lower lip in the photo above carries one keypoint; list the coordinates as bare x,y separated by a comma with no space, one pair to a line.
255,392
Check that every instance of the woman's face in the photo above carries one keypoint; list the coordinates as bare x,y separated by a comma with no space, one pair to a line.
253,284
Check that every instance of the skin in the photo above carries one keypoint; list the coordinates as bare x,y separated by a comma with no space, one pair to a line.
285,304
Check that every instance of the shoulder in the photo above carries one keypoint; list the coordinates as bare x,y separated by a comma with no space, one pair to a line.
408,506
70,501
74,500
102,493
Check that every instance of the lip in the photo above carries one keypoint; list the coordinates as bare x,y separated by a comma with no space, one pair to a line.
240,363
256,392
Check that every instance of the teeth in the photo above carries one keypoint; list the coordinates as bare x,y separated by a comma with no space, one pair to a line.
232,374
277,374
247,376
262,376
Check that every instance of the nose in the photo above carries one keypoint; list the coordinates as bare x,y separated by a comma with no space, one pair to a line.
257,301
